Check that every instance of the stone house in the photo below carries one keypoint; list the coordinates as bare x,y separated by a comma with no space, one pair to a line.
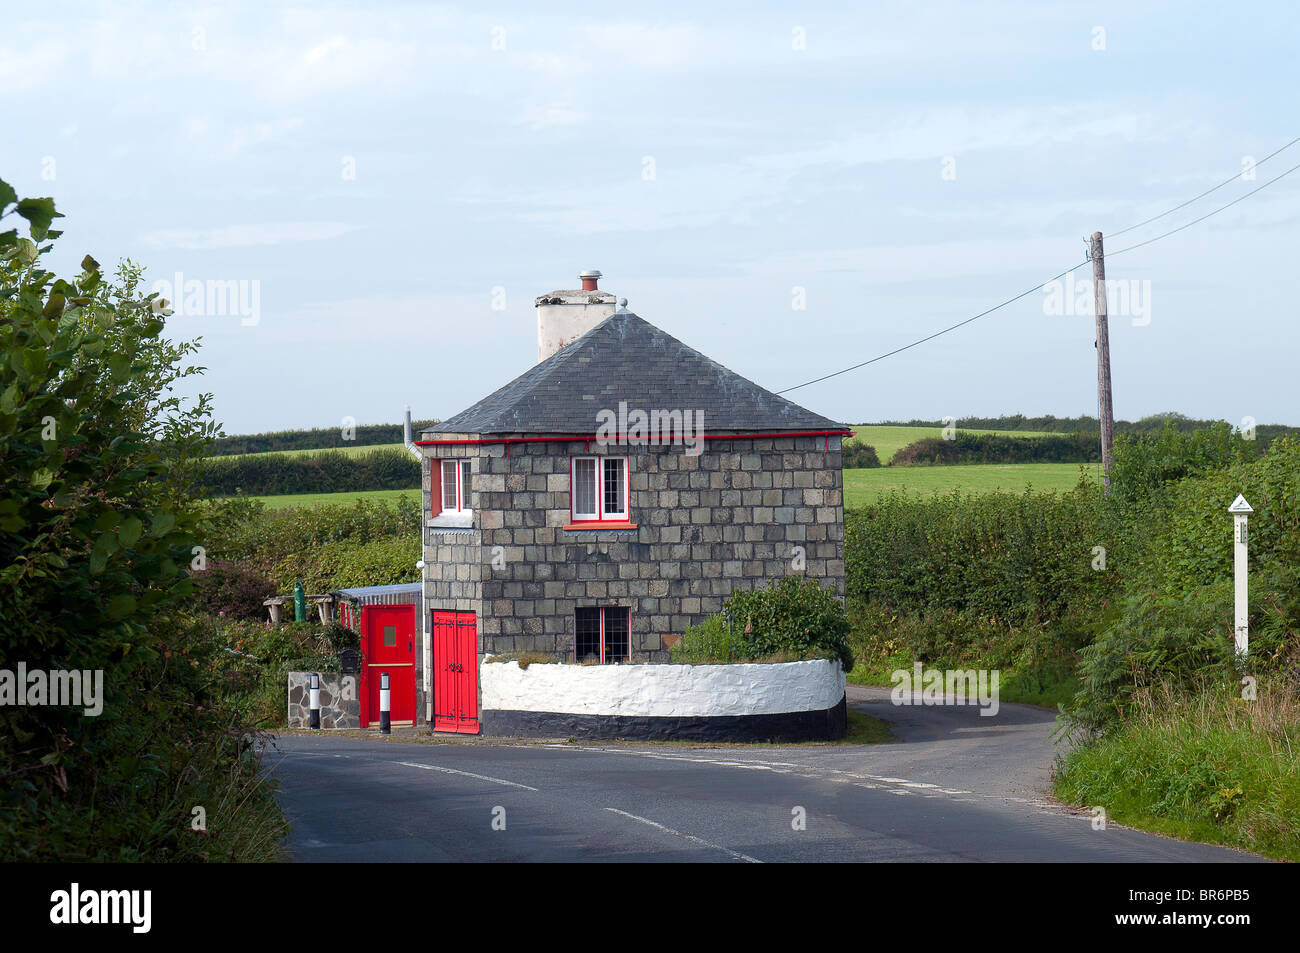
608,498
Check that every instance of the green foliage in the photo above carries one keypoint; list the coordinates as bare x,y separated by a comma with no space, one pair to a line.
97,528
275,474
314,439
329,547
793,614
1199,762
232,590
258,658
995,448
709,641
1002,557
1176,621
1144,464
859,456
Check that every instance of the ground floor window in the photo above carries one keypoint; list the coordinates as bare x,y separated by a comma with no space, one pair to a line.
603,633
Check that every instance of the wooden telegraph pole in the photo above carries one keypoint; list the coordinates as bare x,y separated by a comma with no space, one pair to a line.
1106,409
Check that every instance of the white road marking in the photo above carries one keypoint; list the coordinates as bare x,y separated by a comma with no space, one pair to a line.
467,774
690,837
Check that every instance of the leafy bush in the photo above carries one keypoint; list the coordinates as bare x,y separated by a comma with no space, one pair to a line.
859,456
233,590
329,547
1144,464
1011,558
790,615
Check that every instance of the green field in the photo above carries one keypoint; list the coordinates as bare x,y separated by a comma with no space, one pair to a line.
889,440
349,451
863,487
316,499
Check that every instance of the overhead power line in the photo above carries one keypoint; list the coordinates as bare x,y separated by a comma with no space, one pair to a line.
1029,291
1229,180
931,337
1112,254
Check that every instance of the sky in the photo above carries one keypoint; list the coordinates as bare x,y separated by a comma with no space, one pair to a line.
379,191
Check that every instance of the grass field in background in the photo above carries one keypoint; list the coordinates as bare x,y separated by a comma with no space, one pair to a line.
889,440
862,487
316,499
349,451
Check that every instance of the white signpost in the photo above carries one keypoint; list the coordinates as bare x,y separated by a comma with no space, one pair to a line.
1240,511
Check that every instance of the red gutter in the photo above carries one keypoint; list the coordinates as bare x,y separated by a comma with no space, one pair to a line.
479,441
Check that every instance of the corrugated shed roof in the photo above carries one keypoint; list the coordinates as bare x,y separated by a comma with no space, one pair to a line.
626,358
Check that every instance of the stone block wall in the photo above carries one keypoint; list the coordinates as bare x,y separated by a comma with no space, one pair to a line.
340,705
733,517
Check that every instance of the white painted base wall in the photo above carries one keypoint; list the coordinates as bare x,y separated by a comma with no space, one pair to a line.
662,690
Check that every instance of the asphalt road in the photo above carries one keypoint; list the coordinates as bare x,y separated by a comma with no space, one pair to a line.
956,787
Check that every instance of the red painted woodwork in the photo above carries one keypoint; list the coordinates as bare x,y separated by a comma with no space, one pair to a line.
455,672
388,645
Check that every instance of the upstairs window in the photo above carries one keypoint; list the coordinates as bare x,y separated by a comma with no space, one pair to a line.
455,486
598,490
603,633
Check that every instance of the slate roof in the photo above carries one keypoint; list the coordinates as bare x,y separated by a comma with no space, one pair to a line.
627,358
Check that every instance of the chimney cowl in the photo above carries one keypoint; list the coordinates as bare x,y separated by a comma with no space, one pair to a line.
590,279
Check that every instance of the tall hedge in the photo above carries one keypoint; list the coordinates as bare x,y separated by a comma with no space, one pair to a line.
275,474
996,448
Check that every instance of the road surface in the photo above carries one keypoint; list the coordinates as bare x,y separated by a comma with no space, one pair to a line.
956,786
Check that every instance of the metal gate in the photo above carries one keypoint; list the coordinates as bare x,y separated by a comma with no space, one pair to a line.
455,672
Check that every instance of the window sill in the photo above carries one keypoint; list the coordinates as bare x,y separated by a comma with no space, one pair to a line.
464,520
571,527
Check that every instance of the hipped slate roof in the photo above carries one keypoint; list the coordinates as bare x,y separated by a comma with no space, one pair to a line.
626,358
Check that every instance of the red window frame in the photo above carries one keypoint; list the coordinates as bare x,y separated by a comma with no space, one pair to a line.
601,610
601,516
438,489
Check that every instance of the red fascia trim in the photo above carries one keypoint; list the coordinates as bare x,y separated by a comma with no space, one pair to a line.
478,441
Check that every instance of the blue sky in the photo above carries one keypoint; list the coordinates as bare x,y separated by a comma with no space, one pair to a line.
386,172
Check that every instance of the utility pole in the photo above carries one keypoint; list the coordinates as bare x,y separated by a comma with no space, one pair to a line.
1106,408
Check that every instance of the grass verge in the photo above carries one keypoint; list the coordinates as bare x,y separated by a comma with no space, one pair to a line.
1205,766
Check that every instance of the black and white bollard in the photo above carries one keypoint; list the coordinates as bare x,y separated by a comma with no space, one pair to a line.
385,706
313,703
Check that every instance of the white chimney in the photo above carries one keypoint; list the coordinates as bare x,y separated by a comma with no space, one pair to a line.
565,316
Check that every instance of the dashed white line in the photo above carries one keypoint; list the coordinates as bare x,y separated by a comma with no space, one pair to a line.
467,774
690,837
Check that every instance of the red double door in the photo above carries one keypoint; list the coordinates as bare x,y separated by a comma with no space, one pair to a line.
388,648
455,672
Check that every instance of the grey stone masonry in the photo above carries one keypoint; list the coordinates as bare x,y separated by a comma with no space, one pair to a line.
740,514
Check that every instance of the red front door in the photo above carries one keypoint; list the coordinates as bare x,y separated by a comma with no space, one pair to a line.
455,672
388,646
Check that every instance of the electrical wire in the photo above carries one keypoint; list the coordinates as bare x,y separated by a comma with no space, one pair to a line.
1227,181
936,334
931,337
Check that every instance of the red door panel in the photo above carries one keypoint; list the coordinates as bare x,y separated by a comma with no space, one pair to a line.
455,672
388,646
